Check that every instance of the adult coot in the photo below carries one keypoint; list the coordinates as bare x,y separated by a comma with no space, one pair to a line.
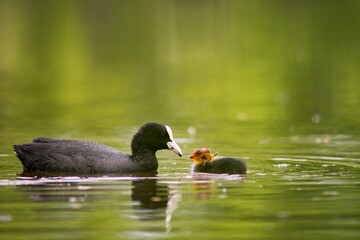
210,163
73,156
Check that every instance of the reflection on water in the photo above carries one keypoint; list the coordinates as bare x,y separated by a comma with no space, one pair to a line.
149,200
149,195
265,202
204,185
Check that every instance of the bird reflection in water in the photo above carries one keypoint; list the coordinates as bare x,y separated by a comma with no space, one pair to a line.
149,194
154,199
151,201
206,185
203,188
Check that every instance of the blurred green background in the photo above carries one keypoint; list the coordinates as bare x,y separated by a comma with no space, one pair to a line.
276,63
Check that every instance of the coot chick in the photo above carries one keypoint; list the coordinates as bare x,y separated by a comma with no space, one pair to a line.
209,163
73,156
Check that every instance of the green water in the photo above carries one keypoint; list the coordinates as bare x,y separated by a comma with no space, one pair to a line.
274,82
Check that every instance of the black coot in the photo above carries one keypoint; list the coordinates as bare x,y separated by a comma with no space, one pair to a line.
209,163
72,156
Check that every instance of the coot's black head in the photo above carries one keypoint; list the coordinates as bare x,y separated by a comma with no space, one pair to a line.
154,136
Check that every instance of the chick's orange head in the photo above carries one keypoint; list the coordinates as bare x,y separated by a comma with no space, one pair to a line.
201,156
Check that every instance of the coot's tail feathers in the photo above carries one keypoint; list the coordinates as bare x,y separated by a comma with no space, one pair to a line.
22,151
21,154
25,151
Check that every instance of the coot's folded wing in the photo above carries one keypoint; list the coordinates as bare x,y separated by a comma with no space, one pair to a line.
56,155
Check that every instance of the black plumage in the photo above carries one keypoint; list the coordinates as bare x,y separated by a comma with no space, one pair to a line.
220,165
73,156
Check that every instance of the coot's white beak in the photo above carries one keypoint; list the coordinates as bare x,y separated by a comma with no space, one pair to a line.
172,145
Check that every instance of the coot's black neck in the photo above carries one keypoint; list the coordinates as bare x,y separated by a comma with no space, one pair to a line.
145,157
142,151
143,154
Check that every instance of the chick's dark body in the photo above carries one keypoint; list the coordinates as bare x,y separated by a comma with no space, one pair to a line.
220,165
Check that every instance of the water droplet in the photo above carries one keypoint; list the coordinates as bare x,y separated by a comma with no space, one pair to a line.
191,130
242,116
316,118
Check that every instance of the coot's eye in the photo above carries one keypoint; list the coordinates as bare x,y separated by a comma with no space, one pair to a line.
198,152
